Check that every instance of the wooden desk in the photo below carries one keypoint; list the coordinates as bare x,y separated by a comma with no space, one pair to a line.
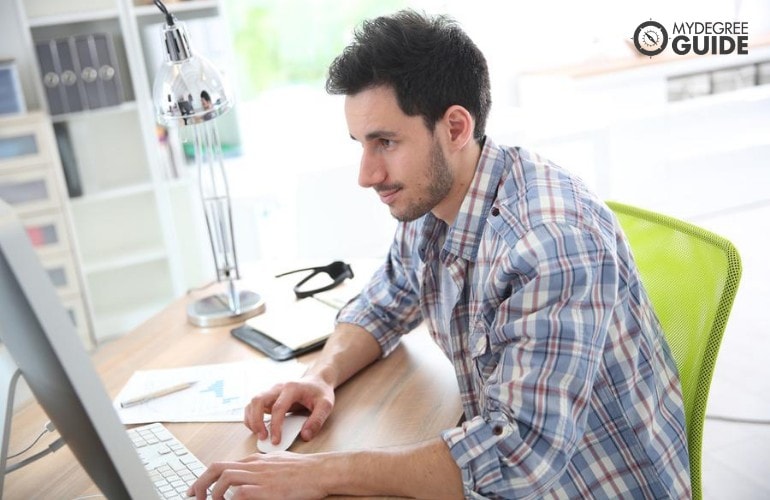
408,397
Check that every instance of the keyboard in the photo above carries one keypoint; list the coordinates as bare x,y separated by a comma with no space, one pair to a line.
171,466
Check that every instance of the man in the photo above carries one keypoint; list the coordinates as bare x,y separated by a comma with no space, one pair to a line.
524,280
206,100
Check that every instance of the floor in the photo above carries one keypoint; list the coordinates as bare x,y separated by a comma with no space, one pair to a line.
736,456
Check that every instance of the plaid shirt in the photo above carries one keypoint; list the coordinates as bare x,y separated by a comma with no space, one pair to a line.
568,387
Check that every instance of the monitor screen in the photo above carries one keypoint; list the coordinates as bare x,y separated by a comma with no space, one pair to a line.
40,337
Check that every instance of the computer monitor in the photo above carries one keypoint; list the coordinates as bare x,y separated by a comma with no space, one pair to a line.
39,335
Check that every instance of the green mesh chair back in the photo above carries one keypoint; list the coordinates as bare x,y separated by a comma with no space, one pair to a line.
691,276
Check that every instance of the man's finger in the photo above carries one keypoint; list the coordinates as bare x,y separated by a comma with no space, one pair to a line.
232,477
199,488
283,403
316,420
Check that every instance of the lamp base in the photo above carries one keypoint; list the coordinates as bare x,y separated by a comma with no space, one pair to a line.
215,310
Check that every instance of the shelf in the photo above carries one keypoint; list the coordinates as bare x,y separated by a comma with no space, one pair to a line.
183,182
112,194
126,296
123,261
73,18
123,226
86,114
133,228
746,94
109,152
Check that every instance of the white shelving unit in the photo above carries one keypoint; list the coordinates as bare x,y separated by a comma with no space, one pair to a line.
31,182
138,229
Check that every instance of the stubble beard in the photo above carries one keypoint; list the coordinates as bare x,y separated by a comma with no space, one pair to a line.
439,184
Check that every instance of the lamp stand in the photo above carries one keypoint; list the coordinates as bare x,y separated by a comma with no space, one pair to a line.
189,91
233,305
220,309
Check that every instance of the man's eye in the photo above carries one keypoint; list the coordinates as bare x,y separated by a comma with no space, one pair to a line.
386,143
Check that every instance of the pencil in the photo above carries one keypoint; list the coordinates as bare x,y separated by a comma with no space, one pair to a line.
156,394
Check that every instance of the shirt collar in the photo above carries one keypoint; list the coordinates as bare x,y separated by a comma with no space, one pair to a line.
464,235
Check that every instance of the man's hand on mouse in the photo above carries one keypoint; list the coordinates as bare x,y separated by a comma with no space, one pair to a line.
292,425
309,393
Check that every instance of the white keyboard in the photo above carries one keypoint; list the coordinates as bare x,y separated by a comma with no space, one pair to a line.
171,466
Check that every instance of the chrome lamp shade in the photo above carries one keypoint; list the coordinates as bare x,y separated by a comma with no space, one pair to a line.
189,92
188,89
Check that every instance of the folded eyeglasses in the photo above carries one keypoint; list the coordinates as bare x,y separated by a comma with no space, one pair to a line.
337,271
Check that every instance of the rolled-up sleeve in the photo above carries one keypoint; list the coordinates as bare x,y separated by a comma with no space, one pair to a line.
543,348
388,307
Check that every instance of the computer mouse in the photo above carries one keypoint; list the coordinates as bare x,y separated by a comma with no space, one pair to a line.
292,424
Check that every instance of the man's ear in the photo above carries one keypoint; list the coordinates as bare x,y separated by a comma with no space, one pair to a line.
460,126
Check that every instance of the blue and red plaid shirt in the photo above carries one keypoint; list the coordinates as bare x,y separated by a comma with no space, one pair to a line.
568,387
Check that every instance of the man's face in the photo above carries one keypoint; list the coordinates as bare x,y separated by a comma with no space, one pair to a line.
401,159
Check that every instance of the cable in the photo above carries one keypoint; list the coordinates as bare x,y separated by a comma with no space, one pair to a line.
164,10
25,450
49,427
51,448
738,420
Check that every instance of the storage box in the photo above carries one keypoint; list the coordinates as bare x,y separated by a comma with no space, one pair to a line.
11,95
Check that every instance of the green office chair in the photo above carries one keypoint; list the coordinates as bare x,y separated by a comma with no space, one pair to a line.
691,276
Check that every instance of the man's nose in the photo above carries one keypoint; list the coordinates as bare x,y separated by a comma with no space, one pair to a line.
372,170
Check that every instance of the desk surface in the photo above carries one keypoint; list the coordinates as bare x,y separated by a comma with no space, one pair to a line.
408,397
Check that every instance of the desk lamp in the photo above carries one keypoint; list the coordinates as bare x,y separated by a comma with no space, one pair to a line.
189,92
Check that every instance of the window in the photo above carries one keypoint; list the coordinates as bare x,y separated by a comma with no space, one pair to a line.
279,43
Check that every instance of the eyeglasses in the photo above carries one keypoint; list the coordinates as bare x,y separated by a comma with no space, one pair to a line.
337,271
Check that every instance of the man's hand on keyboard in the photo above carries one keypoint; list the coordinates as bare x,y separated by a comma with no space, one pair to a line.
277,475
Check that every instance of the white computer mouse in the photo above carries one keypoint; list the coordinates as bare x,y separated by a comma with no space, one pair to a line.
292,424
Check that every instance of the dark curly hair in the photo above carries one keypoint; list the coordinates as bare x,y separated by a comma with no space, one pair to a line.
430,63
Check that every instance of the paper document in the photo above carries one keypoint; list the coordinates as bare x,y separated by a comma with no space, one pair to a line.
219,394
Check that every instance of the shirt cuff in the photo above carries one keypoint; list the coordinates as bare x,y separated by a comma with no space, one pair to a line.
474,448
362,313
